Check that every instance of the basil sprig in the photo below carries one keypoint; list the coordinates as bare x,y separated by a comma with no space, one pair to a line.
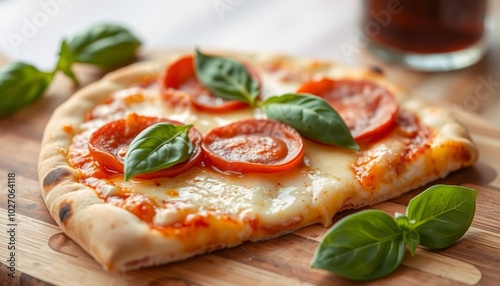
226,78
65,62
370,244
312,117
157,147
20,85
104,45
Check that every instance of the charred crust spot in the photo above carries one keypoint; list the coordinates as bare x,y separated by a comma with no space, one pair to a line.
466,156
376,69
65,212
463,154
54,177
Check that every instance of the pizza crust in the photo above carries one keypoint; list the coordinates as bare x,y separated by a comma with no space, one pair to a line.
120,241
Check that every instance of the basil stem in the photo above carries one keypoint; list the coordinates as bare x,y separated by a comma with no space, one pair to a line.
21,84
370,244
65,61
442,214
367,245
312,117
410,236
157,147
104,45
226,78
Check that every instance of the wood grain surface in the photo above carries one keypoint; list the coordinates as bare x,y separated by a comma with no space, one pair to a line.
45,256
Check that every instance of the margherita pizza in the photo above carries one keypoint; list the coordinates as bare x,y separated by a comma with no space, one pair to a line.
164,160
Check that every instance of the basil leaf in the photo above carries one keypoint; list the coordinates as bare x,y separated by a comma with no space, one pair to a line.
442,214
21,84
226,78
157,147
104,45
362,246
312,117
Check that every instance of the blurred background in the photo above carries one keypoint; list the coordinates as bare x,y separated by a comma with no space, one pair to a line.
309,28
31,30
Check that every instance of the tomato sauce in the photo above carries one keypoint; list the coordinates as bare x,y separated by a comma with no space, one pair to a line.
409,139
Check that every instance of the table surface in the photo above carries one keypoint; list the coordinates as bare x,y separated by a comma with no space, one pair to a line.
314,29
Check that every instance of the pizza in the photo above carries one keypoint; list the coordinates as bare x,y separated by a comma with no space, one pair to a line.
247,162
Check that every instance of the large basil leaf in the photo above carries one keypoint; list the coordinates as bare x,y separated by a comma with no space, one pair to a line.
21,84
226,78
104,45
442,214
366,245
312,117
157,147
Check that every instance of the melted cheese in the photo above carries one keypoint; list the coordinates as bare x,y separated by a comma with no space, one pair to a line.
271,203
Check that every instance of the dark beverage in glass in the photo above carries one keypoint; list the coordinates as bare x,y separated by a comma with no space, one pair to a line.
446,28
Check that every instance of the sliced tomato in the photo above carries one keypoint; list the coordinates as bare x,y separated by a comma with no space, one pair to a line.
109,144
253,146
367,108
180,81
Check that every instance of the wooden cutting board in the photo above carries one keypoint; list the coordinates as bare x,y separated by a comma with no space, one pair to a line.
45,256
